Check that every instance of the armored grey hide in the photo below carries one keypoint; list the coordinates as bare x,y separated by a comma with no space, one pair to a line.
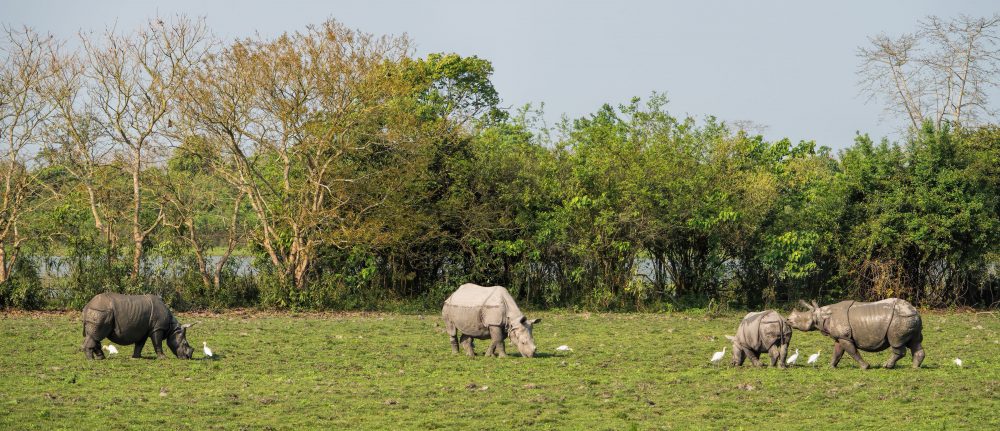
868,326
762,332
763,329
473,309
131,319
478,312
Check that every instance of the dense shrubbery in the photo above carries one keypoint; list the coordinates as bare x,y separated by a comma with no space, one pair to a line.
329,169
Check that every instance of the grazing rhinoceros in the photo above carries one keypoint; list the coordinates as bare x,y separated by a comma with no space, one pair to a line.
868,326
131,319
487,312
759,332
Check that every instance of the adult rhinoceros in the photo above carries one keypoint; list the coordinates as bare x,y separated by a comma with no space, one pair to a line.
131,319
868,326
487,312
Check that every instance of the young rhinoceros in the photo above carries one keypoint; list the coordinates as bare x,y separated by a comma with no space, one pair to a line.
759,332
131,319
487,312
868,326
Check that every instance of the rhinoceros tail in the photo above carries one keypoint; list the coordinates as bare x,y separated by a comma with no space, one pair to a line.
84,319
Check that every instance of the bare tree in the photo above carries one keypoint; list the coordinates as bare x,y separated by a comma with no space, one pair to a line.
966,58
289,115
942,73
75,142
25,74
133,81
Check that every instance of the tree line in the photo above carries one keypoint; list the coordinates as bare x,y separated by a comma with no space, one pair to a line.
331,168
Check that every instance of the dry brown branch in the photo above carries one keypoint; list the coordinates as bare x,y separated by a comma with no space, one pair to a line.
26,74
942,73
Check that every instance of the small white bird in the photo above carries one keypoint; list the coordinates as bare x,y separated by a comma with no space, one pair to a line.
813,357
718,356
958,362
112,350
208,352
793,358
564,348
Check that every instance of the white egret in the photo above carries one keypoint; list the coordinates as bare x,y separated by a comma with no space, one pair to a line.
564,348
793,358
112,350
813,357
958,362
208,352
718,356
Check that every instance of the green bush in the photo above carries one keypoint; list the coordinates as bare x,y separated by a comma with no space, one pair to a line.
23,289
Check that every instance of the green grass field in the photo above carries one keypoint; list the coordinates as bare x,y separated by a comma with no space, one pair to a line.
390,371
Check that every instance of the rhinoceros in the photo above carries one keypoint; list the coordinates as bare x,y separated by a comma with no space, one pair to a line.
487,312
868,326
131,319
759,332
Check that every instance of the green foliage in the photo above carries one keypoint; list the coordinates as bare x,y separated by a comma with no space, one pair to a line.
452,85
628,208
23,289
921,225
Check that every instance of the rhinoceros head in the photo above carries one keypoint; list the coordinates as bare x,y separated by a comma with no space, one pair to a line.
177,342
520,335
803,320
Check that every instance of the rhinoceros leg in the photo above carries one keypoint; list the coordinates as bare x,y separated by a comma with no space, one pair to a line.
782,355
496,346
137,349
452,335
897,354
92,348
739,356
774,352
754,357
852,350
838,352
491,350
467,345
918,351
157,337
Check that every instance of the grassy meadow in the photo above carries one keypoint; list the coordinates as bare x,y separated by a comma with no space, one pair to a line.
392,371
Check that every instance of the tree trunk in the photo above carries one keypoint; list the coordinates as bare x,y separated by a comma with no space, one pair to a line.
4,273
137,235
7,262
199,254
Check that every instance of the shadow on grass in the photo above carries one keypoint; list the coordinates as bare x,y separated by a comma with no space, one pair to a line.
538,355
216,357
546,355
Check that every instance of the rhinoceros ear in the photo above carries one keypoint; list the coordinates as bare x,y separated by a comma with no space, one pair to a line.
805,304
534,321
814,304
188,325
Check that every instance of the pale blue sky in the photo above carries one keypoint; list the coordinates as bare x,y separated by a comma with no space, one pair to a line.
789,65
